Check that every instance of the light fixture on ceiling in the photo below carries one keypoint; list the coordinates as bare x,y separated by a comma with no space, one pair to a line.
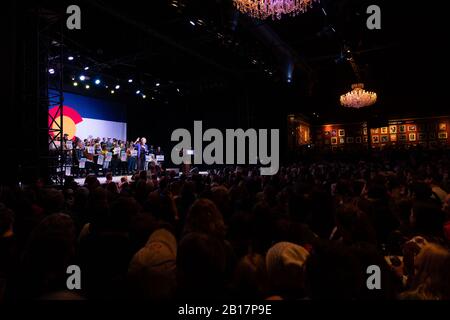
262,9
358,97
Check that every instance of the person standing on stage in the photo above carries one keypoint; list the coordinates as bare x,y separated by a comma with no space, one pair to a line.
142,149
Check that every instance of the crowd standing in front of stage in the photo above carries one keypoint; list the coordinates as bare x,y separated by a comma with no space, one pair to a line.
309,232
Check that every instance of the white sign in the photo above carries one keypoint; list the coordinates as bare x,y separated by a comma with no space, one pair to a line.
90,150
82,164
123,156
69,145
68,171
108,157
100,160
160,158
134,153
116,150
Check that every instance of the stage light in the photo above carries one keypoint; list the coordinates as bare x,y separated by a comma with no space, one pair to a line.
73,78
130,80
117,87
86,68
70,58
82,78
144,96
192,22
158,84
88,86
178,90
75,84
138,91
106,86
97,81
112,91
51,71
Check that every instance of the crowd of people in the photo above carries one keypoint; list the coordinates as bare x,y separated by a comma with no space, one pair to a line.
307,233
106,155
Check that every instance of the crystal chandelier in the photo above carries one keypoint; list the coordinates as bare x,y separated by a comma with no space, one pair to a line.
358,97
262,9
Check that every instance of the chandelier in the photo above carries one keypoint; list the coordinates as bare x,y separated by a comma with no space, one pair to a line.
358,97
262,9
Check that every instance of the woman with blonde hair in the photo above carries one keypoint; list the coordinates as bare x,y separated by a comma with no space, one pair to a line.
431,278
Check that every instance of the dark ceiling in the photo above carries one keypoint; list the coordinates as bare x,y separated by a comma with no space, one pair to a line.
206,46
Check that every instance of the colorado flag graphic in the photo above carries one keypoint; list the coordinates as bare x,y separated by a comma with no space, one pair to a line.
85,116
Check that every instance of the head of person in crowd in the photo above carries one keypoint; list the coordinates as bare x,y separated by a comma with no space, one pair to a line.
427,219
421,191
431,279
91,182
205,217
353,225
201,267
250,279
152,271
285,264
50,250
51,200
333,272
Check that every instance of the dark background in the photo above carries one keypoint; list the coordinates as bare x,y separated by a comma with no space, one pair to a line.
231,71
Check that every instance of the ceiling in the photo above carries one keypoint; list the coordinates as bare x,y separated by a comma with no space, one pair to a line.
206,46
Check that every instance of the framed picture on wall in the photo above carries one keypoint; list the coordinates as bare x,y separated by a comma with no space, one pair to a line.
393,137
333,140
341,132
341,140
375,139
442,126
384,130
442,135
412,137
421,127
365,131
393,129
402,137
402,128
422,136
358,139
327,133
350,140
432,135
333,133
412,128
366,139
375,131
385,138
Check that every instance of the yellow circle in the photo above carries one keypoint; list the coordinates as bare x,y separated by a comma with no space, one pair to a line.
69,126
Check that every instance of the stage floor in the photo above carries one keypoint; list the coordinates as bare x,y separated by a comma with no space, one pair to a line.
102,180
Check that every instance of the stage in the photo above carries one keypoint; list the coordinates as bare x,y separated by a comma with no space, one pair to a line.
102,180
